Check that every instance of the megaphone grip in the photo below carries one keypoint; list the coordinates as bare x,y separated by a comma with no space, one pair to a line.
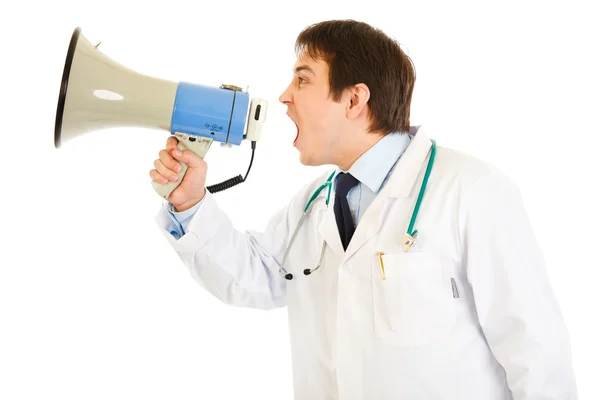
199,146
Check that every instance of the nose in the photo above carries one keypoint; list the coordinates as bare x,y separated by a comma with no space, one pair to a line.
286,96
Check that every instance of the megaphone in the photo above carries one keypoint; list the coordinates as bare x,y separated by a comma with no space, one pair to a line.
98,93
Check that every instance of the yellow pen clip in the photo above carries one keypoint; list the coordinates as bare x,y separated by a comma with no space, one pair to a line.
381,265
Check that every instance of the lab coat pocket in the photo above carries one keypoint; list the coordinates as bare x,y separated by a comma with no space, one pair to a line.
415,303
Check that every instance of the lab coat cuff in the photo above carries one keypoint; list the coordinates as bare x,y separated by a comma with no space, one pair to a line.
163,219
204,224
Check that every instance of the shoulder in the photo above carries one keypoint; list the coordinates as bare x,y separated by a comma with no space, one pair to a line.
469,172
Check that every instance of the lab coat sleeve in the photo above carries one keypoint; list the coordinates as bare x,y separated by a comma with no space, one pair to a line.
238,268
516,306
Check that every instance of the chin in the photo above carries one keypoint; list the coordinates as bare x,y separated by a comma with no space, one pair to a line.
311,160
304,160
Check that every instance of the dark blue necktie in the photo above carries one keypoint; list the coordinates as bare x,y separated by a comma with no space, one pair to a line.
345,224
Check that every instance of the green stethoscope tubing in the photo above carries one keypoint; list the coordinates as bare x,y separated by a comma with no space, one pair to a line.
328,184
422,191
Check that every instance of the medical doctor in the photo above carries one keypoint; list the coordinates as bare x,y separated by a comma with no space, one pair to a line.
410,271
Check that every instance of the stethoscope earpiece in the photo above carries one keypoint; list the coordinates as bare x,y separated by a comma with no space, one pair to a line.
307,271
289,277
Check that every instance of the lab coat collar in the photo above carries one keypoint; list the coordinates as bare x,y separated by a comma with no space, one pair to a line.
405,173
400,184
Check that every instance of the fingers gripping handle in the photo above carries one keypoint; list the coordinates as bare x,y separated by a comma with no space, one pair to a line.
193,143
164,190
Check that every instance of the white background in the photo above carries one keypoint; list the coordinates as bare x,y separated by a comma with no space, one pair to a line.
94,304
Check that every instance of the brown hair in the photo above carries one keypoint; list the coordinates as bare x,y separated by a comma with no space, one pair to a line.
359,53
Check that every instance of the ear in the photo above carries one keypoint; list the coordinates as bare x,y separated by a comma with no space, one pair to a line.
359,95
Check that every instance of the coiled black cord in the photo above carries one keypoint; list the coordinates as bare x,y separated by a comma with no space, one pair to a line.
236,180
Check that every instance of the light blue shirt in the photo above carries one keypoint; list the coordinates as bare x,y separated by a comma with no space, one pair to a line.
372,169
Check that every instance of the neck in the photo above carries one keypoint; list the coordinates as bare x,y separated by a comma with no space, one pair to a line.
356,146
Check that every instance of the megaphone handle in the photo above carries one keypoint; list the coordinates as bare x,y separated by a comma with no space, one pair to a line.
199,146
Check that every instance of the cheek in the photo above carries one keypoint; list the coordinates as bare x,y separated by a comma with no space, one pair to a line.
319,117
313,120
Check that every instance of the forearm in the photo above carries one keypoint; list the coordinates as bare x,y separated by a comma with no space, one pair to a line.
238,268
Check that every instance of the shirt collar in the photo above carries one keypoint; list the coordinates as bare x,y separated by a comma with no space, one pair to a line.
374,165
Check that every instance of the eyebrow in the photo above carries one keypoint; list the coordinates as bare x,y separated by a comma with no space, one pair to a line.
304,68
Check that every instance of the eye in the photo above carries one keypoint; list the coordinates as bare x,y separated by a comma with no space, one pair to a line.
301,80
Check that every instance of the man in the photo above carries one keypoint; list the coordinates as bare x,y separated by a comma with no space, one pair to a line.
466,313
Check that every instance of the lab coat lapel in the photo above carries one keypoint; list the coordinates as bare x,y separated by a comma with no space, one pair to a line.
329,231
400,185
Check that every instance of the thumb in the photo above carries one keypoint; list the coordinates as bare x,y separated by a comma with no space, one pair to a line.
188,157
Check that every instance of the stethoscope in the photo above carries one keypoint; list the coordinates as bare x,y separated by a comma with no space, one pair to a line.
409,238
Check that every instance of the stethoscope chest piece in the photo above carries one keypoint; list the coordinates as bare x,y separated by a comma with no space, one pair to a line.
408,241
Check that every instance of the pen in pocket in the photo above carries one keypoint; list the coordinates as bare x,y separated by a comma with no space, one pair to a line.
381,265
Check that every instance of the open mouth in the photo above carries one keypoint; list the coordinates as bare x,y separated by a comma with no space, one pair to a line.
297,130
297,133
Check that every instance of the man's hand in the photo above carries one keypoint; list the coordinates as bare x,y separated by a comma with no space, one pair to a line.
192,188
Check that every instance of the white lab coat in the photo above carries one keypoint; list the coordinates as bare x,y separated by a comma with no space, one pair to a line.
497,335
